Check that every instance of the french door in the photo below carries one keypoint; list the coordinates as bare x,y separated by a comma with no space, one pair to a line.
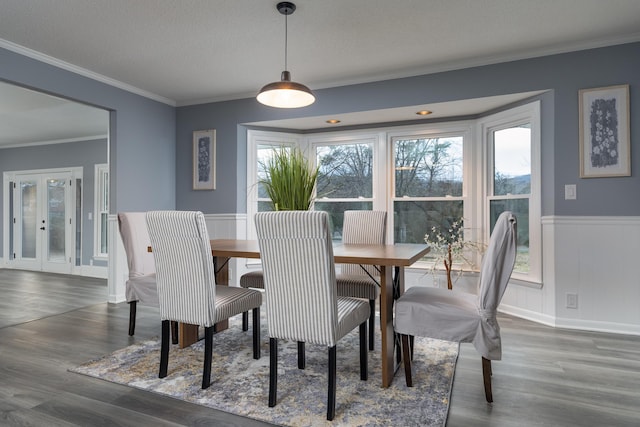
43,221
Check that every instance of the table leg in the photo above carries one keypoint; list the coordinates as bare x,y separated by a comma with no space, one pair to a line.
221,267
386,325
187,333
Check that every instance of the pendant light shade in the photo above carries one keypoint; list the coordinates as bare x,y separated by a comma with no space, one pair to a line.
285,93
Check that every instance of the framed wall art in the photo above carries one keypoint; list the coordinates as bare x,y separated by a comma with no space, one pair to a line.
204,159
605,146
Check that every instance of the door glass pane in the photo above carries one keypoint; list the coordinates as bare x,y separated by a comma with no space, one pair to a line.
512,161
520,208
56,217
428,167
29,198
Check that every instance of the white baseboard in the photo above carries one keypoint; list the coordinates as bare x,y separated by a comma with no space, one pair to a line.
94,271
575,324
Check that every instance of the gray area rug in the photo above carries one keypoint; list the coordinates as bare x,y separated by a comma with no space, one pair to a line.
240,384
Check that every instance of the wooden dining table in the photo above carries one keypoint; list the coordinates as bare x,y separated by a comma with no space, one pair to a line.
386,257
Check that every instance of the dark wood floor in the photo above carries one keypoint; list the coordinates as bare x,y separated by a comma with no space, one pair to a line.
548,377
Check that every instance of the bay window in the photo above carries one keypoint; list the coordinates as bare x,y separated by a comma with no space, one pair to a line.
430,178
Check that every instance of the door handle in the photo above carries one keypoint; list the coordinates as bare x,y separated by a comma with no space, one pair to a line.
41,228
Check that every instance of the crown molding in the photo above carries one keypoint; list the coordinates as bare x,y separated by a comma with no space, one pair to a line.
30,53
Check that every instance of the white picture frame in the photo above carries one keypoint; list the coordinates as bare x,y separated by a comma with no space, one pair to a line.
204,159
605,144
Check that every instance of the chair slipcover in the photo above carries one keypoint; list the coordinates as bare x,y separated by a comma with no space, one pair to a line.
141,285
462,317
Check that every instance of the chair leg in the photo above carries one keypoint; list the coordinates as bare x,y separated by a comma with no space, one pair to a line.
164,349
486,374
372,321
256,331
132,317
364,364
301,355
331,395
407,360
245,321
273,371
208,356
174,332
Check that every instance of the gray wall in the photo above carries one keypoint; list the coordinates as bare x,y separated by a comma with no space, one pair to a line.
74,154
151,142
142,135
562,75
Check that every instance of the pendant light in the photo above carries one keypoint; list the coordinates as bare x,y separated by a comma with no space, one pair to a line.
285,93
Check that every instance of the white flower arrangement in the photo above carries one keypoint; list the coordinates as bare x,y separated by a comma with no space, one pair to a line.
449,247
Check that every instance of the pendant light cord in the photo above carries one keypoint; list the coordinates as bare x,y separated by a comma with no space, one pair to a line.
286,44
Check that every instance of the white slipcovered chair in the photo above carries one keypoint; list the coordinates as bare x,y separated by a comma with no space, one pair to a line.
186,283
141,285
458,316
300,291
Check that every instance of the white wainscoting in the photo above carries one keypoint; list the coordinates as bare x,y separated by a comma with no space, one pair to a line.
595,258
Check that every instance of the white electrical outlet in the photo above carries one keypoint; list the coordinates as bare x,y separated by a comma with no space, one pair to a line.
572,300
570,192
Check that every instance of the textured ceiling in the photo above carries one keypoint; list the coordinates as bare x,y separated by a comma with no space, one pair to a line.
192,51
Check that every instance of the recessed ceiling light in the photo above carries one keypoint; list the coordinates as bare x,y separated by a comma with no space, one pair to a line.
333,121
423,112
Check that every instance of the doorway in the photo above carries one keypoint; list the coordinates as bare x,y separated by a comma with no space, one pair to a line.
42,216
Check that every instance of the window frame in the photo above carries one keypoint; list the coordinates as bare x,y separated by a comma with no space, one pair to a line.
100,207
462,129
528,113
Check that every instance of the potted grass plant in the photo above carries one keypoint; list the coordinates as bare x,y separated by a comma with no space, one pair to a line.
290,180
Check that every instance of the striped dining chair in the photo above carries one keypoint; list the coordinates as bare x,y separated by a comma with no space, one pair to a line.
300,292
354,280
187,291
362,281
